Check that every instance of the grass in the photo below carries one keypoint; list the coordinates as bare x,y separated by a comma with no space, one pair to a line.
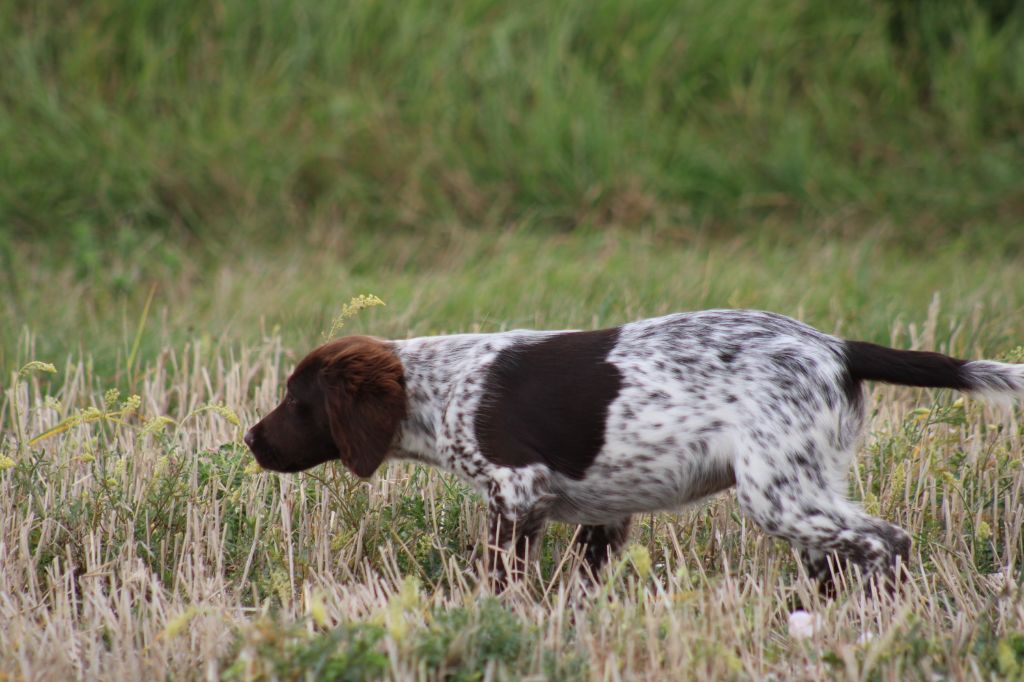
491,280
276,115
138,548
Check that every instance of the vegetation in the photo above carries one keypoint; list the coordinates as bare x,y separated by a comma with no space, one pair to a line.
191,191
279,115
135,546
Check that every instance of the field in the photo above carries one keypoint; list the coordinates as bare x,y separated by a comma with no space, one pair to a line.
191,192
134,548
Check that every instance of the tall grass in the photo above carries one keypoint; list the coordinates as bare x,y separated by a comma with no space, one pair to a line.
278,115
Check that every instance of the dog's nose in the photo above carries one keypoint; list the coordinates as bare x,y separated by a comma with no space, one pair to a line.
249,438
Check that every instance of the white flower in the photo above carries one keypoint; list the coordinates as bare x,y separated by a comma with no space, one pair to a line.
803,625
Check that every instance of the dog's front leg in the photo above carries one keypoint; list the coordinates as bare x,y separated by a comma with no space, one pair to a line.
511,540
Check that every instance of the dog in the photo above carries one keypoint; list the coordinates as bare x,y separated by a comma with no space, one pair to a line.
593,427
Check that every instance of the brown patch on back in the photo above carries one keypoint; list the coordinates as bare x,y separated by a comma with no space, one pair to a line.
547,402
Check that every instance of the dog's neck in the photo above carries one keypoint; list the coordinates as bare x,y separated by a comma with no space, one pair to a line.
431,365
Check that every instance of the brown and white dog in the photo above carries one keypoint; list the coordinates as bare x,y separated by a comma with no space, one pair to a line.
591,427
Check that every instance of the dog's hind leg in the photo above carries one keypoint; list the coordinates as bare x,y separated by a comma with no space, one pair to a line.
787,494
598,543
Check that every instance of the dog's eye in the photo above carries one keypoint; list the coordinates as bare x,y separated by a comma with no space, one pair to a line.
295,405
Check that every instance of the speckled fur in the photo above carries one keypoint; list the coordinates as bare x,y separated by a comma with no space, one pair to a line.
707,400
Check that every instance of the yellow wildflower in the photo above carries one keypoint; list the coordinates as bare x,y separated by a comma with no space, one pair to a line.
178,623
1015,355
280,583
218,408
131,404
1006,658
226,412
37,366
409,593
317,610
90,414
899,477
6,463
949,479
156,424
351,309
733,661
641,560
397,625
110,397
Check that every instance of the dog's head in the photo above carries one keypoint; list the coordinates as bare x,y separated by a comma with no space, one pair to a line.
345,400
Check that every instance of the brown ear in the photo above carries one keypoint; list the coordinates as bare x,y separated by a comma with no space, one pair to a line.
364,391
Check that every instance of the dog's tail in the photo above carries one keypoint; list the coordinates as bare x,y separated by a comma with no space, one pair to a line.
995,381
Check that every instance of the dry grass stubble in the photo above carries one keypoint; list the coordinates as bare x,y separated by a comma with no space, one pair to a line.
138,549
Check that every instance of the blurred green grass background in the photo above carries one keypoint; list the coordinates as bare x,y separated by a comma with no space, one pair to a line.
213,117
490,164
